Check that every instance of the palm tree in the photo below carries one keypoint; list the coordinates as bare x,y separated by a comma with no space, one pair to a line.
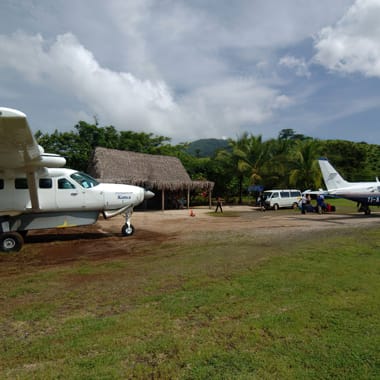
276,166
305,172
249,154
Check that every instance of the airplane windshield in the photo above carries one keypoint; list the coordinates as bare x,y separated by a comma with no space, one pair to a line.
84,180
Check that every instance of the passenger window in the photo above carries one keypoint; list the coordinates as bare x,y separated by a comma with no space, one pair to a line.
63,183
21,183
1,184
284,194
275,195
295,194
46,183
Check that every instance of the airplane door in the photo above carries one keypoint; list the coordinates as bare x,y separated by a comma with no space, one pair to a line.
69,196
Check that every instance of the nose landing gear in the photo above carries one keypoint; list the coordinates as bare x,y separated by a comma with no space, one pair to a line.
128,229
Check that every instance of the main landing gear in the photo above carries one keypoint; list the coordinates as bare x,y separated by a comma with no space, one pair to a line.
11,242
364,208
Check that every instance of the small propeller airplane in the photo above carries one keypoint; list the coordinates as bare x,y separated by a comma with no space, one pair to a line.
36,192
364,193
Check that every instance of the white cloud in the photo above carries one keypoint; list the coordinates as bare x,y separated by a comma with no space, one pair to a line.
184,69
66,64
221,108
352,45
131,103
298,64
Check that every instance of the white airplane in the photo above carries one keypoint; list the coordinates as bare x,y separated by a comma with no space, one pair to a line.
36,192
364,193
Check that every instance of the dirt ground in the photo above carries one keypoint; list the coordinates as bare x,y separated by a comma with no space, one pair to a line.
103,240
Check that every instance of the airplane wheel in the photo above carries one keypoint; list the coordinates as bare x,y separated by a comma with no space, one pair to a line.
11,242
127,231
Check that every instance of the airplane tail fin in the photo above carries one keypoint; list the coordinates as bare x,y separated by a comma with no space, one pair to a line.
332,178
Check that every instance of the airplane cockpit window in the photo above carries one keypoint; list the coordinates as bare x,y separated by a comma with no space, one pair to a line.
63,183
45,183
84,180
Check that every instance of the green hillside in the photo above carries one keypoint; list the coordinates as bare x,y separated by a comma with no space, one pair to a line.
206,147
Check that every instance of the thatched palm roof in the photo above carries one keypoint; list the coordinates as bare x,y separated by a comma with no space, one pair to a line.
146,170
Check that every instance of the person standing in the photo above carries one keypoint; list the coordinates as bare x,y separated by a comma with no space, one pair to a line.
303,203
262,201
219,201
321,203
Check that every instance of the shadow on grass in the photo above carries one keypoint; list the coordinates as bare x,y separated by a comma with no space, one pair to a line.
52,237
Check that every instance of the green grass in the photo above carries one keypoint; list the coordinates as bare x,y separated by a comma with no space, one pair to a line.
344,205
229,306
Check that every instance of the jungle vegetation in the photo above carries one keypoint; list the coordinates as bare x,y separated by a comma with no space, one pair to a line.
290,160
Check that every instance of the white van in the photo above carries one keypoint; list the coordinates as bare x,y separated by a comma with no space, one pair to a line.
281,198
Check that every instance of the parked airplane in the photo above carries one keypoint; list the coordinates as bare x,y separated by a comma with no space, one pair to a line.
364,193
36,192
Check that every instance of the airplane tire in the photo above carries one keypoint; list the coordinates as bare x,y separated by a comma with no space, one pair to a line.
127,231
11,242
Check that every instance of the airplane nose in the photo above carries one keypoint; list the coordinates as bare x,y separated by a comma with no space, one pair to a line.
148,194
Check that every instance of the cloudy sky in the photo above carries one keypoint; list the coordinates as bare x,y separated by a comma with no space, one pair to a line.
190,69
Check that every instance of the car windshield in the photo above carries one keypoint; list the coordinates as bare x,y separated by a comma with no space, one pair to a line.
84,180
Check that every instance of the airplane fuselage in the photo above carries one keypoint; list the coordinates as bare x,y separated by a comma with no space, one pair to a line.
364,193
359,196
62,189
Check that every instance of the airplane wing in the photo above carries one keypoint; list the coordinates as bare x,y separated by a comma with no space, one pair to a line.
19,150
17,144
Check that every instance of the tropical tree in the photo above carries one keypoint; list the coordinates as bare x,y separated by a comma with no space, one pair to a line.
68,145
246,158
275,170
351,159
305,172
290,134
77,146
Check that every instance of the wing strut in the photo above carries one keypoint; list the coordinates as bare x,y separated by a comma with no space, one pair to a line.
32,185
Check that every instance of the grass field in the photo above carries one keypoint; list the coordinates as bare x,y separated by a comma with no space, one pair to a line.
226,306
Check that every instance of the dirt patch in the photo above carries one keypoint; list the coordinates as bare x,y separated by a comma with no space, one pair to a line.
103,240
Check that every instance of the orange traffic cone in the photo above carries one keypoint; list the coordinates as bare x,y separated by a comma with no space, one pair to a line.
192,213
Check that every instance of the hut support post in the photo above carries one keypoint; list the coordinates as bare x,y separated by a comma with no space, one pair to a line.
209,199
163,200
188,197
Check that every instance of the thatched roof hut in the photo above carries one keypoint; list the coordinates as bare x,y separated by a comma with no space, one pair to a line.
164,173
